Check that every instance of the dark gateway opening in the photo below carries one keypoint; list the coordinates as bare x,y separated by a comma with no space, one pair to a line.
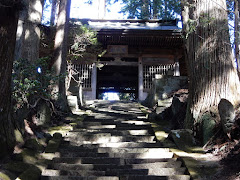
119,79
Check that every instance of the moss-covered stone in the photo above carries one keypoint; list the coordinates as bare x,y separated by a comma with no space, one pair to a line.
17,167
18,136
27,156
43,113
208,127
6,175
183,139
34,145
32,173
54,143
60,129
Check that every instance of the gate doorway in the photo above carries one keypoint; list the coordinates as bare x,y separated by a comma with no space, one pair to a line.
120,79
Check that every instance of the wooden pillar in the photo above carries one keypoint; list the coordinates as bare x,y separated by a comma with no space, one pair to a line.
94,81
140,79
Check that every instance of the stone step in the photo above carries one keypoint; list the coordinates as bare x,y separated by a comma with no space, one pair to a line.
89,160
108,160
134,127
51,172
106,138
114,150
148,161
149,177
114,145
120,126
85,154
156,171
97,127
142,155
125,145
166,171
169,164
80,178
116,132
119,155
118,122
104,167
124,172
136,122
130,177
96,167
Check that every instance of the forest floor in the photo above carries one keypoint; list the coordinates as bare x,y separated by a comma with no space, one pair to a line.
227,152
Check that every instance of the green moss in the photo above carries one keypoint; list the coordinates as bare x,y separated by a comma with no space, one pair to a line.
18,136
6,175
27,156
199,170
208,127
32,173
73,124
144,110
17,167
60,129
54,143
33,144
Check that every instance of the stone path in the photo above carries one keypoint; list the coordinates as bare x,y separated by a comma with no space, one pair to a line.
116,142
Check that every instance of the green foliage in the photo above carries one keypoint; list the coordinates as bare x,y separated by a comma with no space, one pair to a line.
127,96
151,9
83,42
204,20
230,7
32,79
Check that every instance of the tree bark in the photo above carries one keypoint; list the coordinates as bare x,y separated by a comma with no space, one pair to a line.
8,27
53,12
236,33
28,32
210,61
60,54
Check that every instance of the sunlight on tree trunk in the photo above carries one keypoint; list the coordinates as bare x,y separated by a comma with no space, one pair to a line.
210,61
60,55
53,12
236,33
8,27
28,32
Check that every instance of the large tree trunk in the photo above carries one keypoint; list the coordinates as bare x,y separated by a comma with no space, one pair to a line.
53,12
28,32
236,32
8,27
60,54
211,67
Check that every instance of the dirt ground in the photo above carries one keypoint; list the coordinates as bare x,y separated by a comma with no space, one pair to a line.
228,153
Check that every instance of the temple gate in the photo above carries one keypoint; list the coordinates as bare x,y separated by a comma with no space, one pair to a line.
137,50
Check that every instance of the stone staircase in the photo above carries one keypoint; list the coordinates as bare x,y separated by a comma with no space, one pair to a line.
115,143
